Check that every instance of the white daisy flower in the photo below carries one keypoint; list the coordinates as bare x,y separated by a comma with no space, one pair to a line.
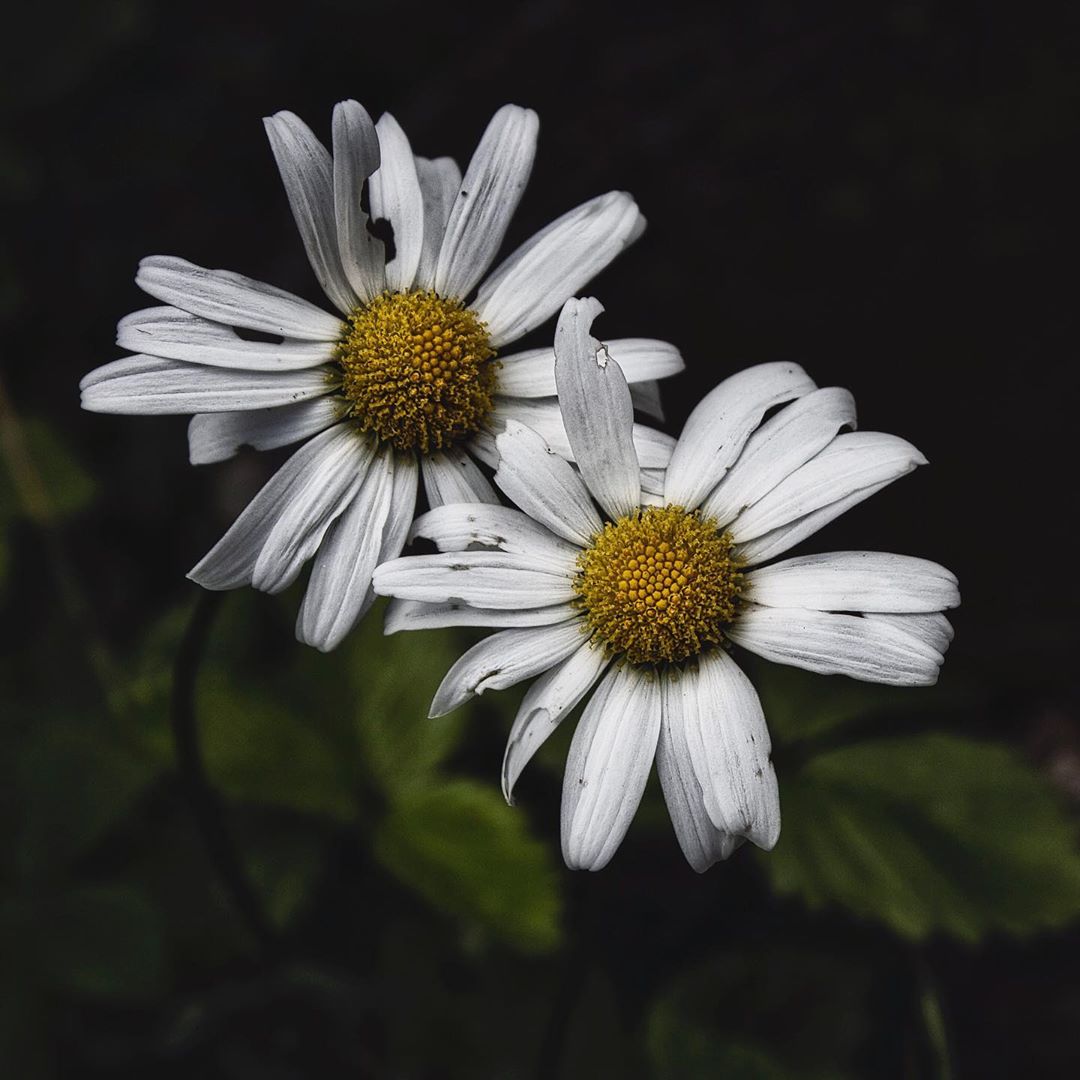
402,382
593,585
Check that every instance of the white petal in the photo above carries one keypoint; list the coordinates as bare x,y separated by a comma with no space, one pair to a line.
597,411
303,520
402,505
719,426
339,589
546,702
854,581
729,748
307,171
461,526
178,335
307,489
831,644
776,542
545,486
149,385
225,297
440,180
532,373
356,157
701,841
653,448
394,195
652,482
933,629
537,279
851,463
451,476
492,579
490,192
416,615
218,436
504,659
646,398
608,765
783,443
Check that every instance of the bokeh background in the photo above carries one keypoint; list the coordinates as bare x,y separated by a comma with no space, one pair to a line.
879,192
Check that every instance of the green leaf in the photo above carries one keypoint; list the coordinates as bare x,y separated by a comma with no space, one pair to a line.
75,785
928,833
393,681
719,1018
68,487
469,854
102,942
260,751
283,865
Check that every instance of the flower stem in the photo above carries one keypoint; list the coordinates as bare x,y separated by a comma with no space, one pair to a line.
206,804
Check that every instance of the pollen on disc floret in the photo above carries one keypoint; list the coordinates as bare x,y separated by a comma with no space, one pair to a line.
418,370
659,585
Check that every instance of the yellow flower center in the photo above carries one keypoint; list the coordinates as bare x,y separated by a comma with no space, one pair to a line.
418,370
659,585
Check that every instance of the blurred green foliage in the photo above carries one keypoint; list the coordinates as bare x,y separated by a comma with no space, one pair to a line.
350,809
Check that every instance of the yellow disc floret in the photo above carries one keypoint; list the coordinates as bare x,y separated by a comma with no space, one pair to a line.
659,585
418,370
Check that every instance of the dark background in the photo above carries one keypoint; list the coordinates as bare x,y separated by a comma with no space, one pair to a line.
880,194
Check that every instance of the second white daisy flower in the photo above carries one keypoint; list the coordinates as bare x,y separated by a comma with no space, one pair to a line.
599,586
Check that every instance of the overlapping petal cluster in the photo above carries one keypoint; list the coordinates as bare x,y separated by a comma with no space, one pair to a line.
764,461
402,382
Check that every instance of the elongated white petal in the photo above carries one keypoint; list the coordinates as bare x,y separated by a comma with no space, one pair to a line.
532,373
546,702
596,409
356,157
460,526
931,629
489,194
541,275
339,590
652,483
855,581
777,541
317,474
179,335
402,505
416,615
451,476
440,180
225,297
717,429
218,436
701,841
544,485
304,517
782,444
394,195
491,579
504,659
653,448
149,385
850,463
729,746
608,765
307,171
832,644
